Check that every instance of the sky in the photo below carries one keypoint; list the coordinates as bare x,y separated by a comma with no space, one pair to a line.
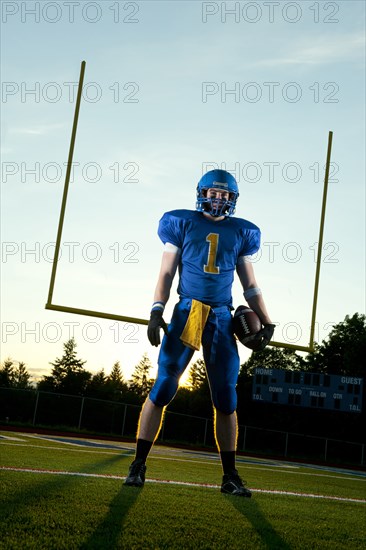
171,90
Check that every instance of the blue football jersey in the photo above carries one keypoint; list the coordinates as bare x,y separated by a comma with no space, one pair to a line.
209,252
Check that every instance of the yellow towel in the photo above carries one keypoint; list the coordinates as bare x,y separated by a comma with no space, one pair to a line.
192,332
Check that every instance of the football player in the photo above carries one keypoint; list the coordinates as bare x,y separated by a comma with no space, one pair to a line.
207,246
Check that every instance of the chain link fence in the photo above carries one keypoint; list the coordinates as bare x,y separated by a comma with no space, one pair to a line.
31,407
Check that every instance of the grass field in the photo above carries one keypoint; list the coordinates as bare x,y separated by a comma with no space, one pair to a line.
65,493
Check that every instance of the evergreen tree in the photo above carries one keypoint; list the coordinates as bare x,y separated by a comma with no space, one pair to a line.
7,374
68,374
12,376
99,379
200,398
197,378
69,361
116,383
21,377
116,377
140,382
97,385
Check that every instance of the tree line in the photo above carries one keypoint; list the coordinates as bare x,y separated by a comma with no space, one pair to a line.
69,376
342,352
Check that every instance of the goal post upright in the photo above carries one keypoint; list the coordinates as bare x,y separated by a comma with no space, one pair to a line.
49,305
66,186
320,242
310,347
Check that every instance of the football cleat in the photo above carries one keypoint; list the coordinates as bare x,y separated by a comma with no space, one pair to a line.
223,181
233,485
136,474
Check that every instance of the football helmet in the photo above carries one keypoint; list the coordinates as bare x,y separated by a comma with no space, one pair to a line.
223,181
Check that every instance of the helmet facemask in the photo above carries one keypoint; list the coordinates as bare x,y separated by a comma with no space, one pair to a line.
219,180
215,206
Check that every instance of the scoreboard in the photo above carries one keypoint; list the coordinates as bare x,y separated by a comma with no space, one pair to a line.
308,389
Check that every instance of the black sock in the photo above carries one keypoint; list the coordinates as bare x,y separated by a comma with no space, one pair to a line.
142,449
228,461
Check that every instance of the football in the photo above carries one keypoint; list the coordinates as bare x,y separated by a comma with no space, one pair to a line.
246,325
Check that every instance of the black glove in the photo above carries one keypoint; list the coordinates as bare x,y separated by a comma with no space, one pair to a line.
155,324
262,339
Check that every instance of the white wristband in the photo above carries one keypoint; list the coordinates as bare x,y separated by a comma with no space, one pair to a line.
250,292
158,305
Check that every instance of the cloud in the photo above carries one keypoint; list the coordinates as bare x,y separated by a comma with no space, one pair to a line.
340,48
41,129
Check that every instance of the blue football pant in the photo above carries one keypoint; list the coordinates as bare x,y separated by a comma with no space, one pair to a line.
219,351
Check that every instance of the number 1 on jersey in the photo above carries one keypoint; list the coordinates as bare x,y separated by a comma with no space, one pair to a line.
211,267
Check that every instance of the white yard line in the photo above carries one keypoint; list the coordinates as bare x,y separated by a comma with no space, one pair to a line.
10,438
247,465
182,483
210,460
